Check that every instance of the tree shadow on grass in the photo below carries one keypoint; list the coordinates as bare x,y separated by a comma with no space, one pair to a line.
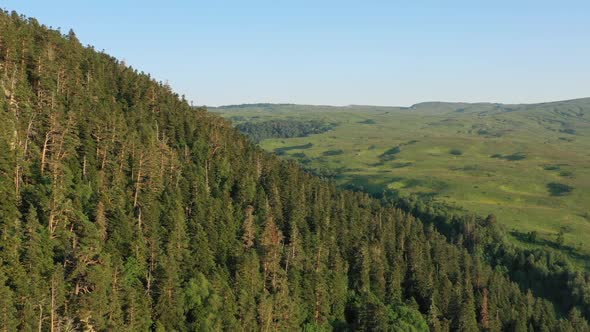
283,150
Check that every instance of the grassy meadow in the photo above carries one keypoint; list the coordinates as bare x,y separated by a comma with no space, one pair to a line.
527,164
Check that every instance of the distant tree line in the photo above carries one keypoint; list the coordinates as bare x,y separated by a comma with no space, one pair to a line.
258,131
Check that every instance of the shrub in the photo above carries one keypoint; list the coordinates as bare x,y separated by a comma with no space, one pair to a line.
511,157
394,150
559,189
515,156
333,152
390,154
456,152
568,131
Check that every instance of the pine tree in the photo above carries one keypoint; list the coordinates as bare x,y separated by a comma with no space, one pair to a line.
37,261
467,320
248,290
202,305
578,323
8,320
248,231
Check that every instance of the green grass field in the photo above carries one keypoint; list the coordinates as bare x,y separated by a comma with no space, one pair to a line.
515,161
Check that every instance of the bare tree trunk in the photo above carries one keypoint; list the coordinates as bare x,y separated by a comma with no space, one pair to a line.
258,167
138,181
104,159
207,175
84,167
51,218
44,152
40,323
17,179
29,128
151,270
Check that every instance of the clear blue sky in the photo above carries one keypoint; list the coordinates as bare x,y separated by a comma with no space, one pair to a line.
341,52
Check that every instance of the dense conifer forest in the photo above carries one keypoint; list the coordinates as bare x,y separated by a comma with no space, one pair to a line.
124,209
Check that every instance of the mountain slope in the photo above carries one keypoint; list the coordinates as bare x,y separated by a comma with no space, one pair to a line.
122,208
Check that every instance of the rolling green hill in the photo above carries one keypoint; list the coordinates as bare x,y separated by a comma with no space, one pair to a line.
527,164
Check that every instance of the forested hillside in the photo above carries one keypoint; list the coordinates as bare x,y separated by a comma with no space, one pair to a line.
124,209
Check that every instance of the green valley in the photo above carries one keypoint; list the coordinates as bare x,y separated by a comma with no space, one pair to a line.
527,164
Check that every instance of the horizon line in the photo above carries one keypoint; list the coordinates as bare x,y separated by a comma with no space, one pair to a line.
392,106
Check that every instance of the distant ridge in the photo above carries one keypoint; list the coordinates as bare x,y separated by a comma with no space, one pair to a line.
416,105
